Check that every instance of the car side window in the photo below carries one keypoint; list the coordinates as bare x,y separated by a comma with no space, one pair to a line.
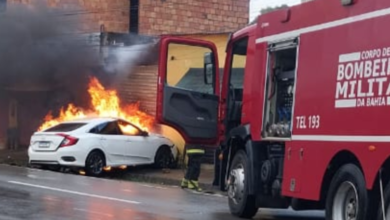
128,129
107,128
98,129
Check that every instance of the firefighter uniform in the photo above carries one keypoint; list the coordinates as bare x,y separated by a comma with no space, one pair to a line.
194,154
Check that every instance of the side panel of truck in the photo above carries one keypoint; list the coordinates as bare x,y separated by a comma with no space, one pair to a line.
342,102
254,91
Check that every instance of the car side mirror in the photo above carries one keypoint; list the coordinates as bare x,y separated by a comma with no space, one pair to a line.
144,133
209,68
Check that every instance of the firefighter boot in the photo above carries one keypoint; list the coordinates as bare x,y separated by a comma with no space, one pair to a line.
184,183
194,185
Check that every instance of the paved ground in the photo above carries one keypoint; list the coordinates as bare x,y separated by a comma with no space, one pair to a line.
139,174
34,194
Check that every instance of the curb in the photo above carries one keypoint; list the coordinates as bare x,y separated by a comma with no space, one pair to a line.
158,180
12,162
208,188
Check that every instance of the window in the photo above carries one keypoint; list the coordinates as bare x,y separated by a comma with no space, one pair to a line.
185,68
238,63
65,127
236,83
128,129
108,128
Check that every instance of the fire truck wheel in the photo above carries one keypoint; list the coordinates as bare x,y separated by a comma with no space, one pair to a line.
386,198
347,196
240,203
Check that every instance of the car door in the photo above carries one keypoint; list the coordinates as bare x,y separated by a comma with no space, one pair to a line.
188,88
138,147
113,142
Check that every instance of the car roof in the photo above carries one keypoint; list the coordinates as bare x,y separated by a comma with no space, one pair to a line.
89,120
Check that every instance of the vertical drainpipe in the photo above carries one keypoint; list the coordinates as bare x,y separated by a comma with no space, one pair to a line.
134,17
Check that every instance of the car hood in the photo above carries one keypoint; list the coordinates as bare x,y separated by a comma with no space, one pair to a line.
157,135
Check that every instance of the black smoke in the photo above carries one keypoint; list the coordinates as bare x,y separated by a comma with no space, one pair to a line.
48,49
43,49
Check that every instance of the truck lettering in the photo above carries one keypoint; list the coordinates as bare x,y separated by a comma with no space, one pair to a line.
371,54
342,89
363,79
378,101
360,93
313,122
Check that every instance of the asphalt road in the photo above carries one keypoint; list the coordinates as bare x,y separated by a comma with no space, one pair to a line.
35,194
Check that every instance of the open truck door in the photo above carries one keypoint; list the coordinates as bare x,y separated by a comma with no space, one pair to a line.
188,89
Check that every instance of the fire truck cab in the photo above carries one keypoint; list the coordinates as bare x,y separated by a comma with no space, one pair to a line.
299,112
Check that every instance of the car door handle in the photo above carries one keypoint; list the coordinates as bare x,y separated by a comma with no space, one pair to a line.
102,138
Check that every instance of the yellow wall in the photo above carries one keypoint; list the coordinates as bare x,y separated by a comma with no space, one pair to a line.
185,57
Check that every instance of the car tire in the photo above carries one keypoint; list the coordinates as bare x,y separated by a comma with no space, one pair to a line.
241,204
95,163
163,158
347,195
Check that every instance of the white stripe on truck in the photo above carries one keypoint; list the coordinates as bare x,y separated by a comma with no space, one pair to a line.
340,138
336,23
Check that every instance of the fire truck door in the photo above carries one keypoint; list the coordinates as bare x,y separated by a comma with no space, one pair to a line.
188,87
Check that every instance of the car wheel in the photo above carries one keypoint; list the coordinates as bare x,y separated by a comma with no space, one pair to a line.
95,163
347,196
163,158
240,203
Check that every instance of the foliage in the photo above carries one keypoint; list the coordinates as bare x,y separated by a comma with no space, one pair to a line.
267,10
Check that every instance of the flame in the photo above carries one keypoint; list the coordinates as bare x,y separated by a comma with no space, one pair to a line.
105,103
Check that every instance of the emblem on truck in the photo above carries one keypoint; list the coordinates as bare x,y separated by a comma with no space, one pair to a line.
363,79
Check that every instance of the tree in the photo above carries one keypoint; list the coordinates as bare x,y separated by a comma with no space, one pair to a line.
267,10
270,9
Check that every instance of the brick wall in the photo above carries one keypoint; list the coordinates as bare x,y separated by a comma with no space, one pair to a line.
114,14
192,16
157,16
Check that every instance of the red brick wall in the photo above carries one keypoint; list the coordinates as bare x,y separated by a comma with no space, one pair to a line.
114,14
192,16
157,16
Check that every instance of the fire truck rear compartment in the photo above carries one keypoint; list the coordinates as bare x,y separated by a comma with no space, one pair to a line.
280,92
277,123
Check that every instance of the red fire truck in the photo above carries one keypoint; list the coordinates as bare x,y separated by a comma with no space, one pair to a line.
299,111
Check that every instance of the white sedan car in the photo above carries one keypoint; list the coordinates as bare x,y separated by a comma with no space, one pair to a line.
98,143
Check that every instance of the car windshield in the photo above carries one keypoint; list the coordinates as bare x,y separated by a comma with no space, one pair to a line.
65,127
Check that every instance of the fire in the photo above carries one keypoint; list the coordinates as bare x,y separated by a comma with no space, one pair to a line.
105,103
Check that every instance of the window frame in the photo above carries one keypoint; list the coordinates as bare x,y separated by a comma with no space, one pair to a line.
209,91
81,124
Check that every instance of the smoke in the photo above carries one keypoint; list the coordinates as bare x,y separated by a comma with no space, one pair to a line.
43,48
123,60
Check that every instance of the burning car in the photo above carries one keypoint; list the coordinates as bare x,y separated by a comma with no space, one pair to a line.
99,142
107,134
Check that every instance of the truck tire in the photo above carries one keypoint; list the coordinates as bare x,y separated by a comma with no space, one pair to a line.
347,196
240,203
386,198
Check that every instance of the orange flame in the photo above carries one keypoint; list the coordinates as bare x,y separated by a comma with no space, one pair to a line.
105,103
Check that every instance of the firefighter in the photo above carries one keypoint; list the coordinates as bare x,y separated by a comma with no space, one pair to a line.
194,154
